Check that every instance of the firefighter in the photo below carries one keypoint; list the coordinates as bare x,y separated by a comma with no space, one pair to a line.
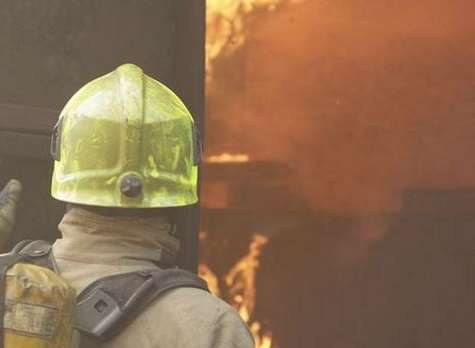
126,155
9,198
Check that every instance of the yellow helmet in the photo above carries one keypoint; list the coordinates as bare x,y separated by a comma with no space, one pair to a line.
125,140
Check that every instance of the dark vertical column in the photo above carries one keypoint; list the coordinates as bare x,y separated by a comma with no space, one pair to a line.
189,84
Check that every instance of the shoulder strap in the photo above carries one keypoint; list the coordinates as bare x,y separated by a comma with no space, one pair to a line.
36,252
110,303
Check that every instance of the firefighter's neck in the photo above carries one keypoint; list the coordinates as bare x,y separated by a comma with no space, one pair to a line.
88,233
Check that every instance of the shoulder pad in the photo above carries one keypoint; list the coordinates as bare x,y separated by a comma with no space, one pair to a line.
35,252
38,248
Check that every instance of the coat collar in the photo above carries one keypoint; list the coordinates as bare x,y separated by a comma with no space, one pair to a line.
94,238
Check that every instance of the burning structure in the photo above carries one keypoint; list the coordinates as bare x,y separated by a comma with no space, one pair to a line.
351,208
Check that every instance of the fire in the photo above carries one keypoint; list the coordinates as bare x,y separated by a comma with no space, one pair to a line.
205,272
225,25
213,282
241,288
228,158
226,33
241,281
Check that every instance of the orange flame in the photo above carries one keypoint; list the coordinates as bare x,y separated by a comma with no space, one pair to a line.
241,284
225,25
213,283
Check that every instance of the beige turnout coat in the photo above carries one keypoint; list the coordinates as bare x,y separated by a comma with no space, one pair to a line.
95,246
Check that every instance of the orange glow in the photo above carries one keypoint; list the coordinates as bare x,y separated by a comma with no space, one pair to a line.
356,107
228,158
368,104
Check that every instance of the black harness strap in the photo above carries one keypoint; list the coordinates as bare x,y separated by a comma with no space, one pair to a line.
110,303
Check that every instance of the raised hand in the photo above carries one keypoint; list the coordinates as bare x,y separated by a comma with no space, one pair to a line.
9,198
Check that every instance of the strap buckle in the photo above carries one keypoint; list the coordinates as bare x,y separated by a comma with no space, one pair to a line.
96,314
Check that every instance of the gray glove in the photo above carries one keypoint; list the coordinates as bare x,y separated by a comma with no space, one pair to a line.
9,197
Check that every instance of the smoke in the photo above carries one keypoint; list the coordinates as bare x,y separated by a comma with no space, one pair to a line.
365,99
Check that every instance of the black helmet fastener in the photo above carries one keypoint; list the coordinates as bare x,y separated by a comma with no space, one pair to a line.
131,186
